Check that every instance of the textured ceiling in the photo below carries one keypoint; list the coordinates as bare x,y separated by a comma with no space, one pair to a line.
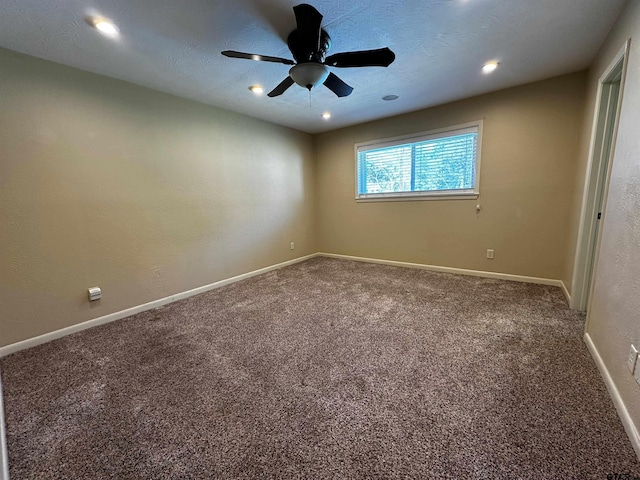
174,46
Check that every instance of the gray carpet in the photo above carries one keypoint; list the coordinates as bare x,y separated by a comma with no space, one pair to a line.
325,369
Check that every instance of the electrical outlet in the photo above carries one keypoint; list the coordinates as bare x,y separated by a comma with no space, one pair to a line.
632,358
489,253
293,245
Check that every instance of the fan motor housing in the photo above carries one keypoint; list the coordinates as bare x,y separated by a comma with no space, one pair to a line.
309,53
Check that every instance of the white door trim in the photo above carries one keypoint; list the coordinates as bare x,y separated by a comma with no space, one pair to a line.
586,243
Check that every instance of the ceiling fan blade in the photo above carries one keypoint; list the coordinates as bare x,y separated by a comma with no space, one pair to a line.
308,34
253,56
281,88
337,86
382,57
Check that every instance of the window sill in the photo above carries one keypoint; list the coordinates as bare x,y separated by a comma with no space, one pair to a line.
413,197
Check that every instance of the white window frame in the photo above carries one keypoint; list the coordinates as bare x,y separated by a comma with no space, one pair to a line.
419,137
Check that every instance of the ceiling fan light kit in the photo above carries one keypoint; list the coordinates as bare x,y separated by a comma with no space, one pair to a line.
309,74
309,44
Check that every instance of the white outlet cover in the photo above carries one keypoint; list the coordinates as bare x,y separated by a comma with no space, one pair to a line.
632,359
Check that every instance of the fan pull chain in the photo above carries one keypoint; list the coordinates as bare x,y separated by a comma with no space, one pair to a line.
309,99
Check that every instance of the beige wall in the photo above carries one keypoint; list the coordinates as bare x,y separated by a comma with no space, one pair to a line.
614,315
529,151
143,194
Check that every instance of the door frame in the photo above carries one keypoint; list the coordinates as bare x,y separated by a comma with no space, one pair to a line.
586,256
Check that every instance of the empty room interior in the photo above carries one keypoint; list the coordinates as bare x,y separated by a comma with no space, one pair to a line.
264,239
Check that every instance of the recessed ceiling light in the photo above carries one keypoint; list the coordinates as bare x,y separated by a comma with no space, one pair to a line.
105,27
326,115
389,98
256,57
490,67
257,89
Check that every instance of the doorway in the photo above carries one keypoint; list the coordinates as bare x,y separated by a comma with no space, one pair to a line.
601,151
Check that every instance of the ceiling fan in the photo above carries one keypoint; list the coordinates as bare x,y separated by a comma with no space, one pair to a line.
309,44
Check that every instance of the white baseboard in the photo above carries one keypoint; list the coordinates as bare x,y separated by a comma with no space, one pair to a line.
458,271
47,337
567,295
112,317
623,413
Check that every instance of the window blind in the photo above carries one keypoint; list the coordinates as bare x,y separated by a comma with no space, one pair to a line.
441,162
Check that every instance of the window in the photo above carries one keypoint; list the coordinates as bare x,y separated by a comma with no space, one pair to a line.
439,163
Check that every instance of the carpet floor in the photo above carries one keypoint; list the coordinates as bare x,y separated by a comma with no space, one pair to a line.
327,369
